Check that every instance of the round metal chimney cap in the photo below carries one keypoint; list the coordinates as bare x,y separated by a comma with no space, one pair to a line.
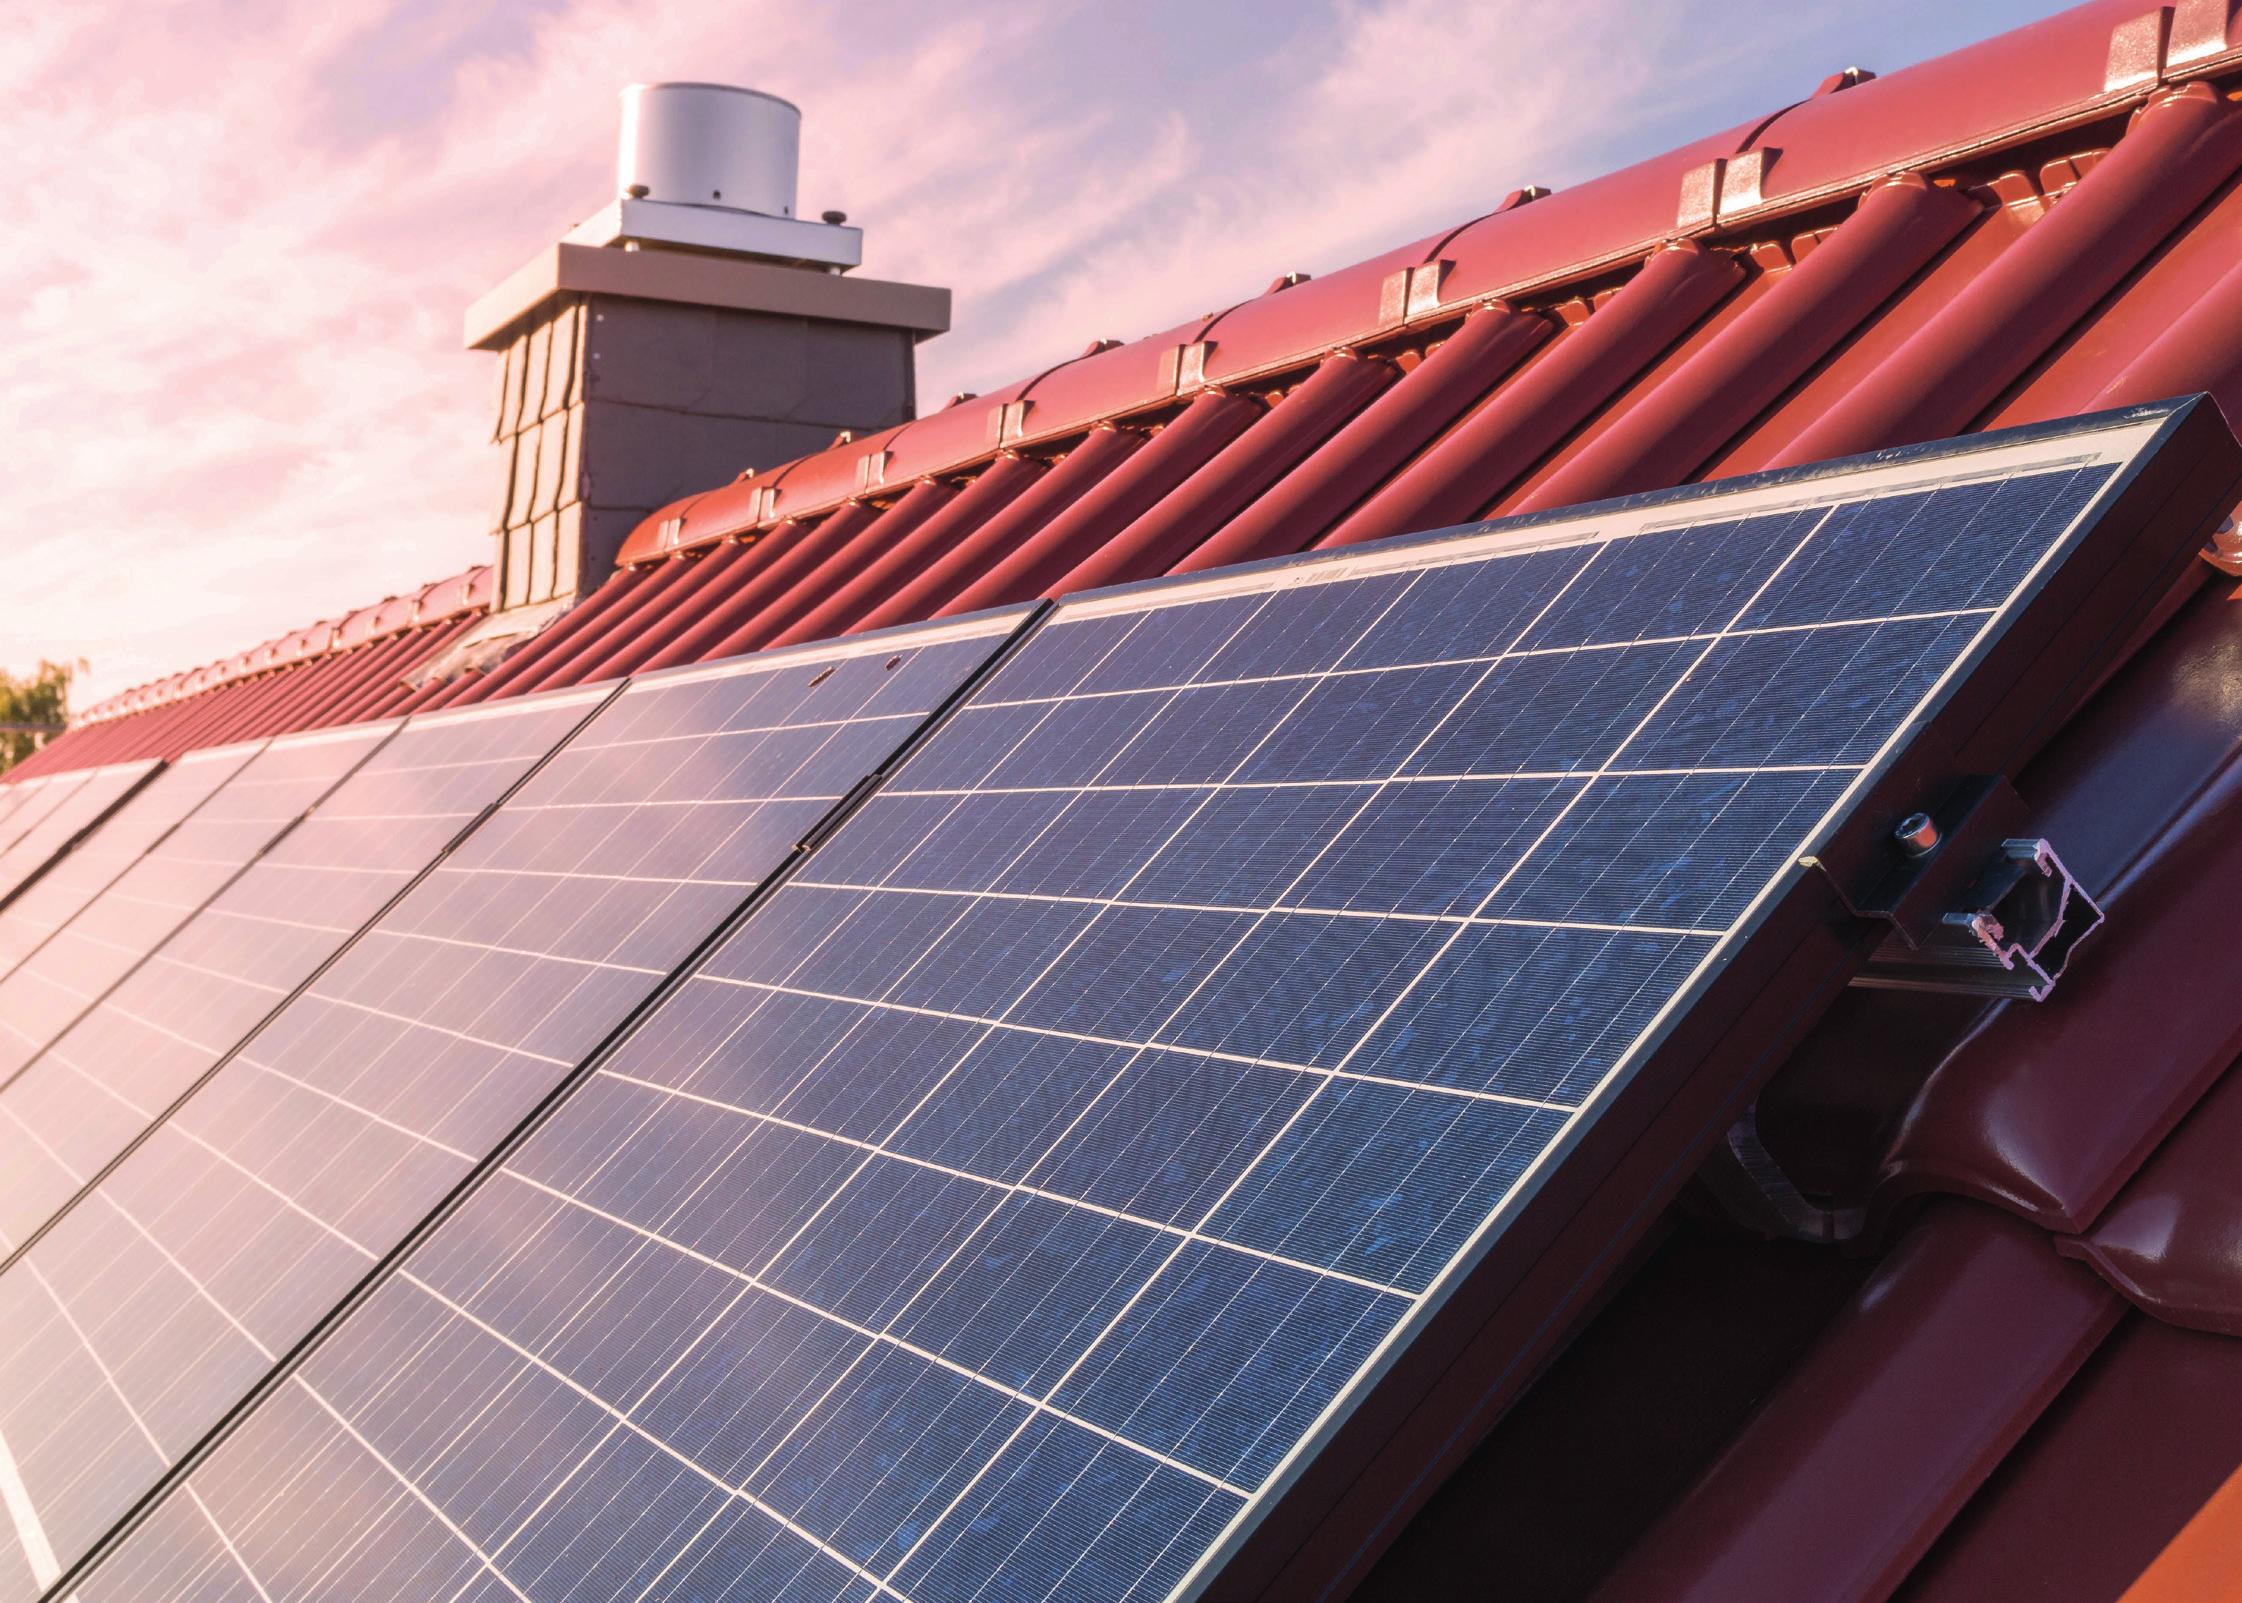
699,144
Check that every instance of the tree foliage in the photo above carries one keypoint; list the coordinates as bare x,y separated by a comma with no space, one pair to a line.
39,699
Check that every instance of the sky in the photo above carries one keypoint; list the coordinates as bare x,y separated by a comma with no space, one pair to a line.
240,237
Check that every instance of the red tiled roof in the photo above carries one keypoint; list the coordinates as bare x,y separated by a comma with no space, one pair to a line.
1837,292
342,671
2027,1384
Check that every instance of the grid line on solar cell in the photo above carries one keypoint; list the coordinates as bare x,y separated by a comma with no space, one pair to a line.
1157,905
1249,1059
1018,1188
373,1092
893,1149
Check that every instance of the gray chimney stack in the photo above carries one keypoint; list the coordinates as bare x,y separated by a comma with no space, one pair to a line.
691,329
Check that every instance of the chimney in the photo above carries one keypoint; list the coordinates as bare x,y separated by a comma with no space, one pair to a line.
690,330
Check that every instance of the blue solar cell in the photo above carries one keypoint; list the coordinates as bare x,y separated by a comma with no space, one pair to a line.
1464,613
1820,697
944,842
1007,1100
1225,1359
1032,1289
887,1231
1434,846
1178,652
970,964
1089,848
1201,733
1300,987
1243,848
1529,1011
864,1073
1046,1164
977,739
1168,1133
889,1450
1351,726
1064,1513
1955,546
1382,1181
1306,630
1680,582
1686,851
1553,712
1124,972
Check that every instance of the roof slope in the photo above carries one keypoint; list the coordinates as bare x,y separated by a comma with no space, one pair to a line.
2021,1382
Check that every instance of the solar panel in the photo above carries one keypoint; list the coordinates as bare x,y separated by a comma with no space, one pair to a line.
61,893
13,794
131,917
36,799
170,1288
92,1093
1127,1098
87,805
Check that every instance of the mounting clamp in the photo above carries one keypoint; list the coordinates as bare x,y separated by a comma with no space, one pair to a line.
2011,934
1974,904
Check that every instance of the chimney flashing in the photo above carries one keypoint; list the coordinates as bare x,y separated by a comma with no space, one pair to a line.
562,270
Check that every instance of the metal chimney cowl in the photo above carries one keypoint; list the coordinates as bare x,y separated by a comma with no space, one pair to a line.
711,167
705,144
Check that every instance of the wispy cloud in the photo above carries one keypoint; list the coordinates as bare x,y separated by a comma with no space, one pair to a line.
242,235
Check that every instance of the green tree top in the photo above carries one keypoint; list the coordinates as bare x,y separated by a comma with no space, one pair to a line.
33,708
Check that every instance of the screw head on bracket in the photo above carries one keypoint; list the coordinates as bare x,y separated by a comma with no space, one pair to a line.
1917,835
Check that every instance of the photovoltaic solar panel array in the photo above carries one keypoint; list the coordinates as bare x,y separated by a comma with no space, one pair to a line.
1084,1116
1014,1200
170,1287
84,807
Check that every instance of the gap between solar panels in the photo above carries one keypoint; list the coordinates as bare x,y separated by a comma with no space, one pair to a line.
1147,1142
622,856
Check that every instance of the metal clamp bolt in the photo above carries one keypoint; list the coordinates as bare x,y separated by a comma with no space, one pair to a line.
1917,835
